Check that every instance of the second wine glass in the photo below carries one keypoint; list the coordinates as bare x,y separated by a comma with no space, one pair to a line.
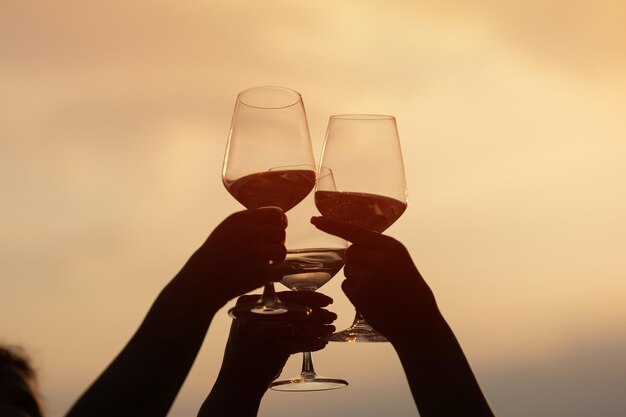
363,152
269,162
313,258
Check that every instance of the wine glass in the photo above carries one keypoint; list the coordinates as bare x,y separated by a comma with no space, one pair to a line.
269,162
363,152
313,258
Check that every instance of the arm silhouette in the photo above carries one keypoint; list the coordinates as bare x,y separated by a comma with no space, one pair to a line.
144,379
256,353
386,287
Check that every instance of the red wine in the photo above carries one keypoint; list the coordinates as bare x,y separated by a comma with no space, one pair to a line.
283,189
309,269
375,212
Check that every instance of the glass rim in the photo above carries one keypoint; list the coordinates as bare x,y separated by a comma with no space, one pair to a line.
364,116
297,97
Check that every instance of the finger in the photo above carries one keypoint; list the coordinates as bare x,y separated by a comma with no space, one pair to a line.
365,297
310,330
317,315
270,215
318,318
359,273
367,256
257,232
248,299
353,232
351,289
348,231
307,298
263,253
258,259
293,346
320,315
360,292
299,330
257,265
313,345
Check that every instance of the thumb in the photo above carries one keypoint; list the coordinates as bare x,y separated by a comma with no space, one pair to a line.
351,289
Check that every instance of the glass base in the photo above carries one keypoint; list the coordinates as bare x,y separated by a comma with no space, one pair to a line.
359,332
278,312
308,381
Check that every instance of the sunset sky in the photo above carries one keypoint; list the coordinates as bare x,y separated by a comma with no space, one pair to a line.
512,118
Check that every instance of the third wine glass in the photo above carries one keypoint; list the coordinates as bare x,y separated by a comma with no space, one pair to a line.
363,152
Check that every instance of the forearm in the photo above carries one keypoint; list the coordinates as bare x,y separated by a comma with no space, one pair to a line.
146,376
439,375
231,398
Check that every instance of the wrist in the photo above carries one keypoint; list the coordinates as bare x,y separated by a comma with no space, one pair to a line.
228,385
421,332
228,399
436,354
187,302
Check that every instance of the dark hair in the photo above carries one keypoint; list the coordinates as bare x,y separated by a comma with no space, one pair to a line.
14,361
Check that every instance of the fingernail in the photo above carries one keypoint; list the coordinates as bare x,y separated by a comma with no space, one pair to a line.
284,216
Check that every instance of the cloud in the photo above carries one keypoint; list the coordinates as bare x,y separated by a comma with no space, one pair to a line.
112,129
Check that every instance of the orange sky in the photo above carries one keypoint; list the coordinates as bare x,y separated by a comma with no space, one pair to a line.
113,122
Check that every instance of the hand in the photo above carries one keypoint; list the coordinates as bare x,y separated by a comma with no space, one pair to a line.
237,256
385,286
256,352
382,281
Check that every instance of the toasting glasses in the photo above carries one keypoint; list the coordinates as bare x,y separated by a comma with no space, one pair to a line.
269,162
363,152
313,258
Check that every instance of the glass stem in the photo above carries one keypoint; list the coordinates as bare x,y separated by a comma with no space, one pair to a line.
307,365
269,298
359,319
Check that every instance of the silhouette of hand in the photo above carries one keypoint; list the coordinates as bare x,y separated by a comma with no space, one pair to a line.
237,256
385,286
382,281
256,352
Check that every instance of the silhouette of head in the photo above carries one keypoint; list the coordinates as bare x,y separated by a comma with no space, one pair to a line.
18,390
